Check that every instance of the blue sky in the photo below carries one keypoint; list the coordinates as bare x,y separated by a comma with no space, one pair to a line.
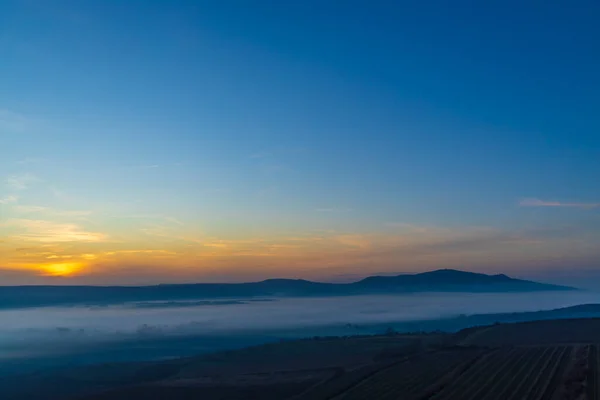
268,121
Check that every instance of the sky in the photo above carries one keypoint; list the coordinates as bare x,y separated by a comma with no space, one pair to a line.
144,142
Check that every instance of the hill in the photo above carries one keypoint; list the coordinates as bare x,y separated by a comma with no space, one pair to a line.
574,312
458,323
544,332
435,281
449,280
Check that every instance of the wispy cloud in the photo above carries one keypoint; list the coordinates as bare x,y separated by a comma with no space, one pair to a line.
544,203
216,244
174,221
334,209
30,160
163,252
363,242
411,227
27,209
165,218
58,193
8,199
53,232
20,181
146,166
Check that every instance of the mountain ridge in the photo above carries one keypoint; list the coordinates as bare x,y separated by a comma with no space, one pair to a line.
443,280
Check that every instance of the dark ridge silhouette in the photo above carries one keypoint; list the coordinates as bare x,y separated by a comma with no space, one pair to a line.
444,280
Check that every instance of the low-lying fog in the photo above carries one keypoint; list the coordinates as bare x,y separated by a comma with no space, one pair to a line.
269,314
31,332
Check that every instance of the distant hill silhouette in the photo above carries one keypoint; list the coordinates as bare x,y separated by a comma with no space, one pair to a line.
445,280
453,324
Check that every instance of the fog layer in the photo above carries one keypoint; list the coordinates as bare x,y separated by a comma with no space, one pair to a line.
48,337
285,313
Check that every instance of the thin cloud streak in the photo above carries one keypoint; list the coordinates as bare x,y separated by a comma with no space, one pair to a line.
52,232
30,160
25,209
543,203
29,209
166,218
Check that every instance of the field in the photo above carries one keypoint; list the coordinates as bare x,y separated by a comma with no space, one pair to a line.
545,360
277,370
593,374
532,372
539,360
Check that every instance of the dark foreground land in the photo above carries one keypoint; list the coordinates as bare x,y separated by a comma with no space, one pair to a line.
552,359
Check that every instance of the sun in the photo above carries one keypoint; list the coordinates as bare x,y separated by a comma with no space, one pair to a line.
61,269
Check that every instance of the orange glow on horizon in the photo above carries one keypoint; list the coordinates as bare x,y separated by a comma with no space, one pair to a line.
61,269
180,256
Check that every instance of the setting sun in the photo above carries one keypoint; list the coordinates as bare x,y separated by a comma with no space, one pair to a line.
61,269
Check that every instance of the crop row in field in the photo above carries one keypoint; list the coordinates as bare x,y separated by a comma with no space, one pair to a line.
511,373
593,376
413,378
517,373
